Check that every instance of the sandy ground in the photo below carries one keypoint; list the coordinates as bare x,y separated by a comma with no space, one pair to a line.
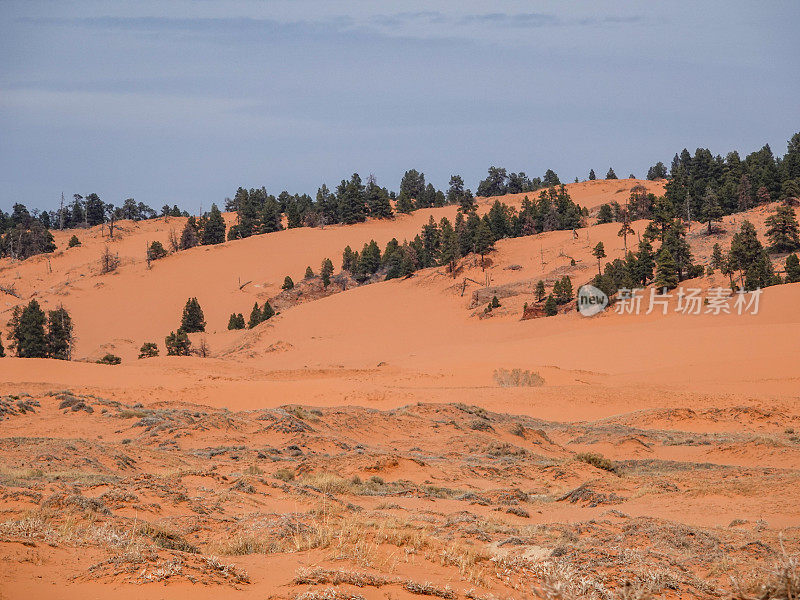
360,444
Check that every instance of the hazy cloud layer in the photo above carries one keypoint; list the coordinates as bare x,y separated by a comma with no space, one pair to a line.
184,101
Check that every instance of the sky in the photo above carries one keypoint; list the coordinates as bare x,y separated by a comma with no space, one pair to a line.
181,102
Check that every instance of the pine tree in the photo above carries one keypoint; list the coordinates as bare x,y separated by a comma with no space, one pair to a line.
148,350
2,350
626,228
73,241
592,176
716,257
309,273
404,204
550,306
327,268
255,316
377,199
645,262
782,230
495,302
792,269
59,334
746,249
540,291
267,312
193,319
599,252
288,284
611,174
484,239
565,290
349,260
214,230
30,337
711,210
605,215
155,251
352,207
178,343
236,321
189,235
449,252
666,270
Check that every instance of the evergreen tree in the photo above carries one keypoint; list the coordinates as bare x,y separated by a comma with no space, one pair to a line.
28,331
592,176
484,239
349,260
792,269
288,284
189,235
760,273
73,241
666,270
645,262
236,321
449,252
178,343
309,273
59,334
2,350
214,229
626,228
352,208
155,251
255,316
412,185
193,319
404,204
711,210
377,199
746,249
716,257
148,350
495,302
270,215
540,291
550,306
369,261
95,210
605,215
267,312
611,174
782,230
599,252
326,270
565,292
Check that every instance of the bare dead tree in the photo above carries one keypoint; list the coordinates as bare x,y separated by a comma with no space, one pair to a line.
108,261
174,242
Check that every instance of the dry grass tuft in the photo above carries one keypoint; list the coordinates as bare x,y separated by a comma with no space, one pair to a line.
518,378
781,583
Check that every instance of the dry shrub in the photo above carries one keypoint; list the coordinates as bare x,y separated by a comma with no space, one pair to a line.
782,582
518,378
597,460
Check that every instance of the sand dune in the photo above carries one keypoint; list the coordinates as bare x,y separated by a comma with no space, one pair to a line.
364,438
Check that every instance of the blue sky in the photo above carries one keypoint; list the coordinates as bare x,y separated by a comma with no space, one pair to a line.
184,101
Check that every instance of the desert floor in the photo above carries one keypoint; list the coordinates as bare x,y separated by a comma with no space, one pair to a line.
372,442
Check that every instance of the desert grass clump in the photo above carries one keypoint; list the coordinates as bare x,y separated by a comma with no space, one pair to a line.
597,460
166,539
782,582
518,378
284,475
